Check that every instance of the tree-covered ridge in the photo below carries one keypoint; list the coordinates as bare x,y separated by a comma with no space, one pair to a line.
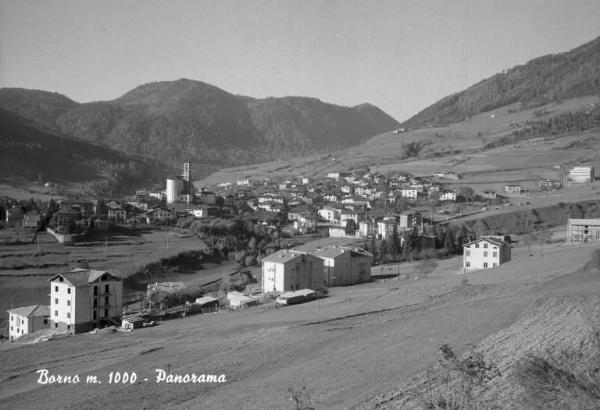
550,78
32,154
187,120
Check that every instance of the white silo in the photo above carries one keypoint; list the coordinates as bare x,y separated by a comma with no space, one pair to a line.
174,187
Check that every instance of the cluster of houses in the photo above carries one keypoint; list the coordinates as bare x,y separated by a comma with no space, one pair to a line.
84,299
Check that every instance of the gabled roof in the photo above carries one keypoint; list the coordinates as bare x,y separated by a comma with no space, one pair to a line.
493,241
33,310
82,277
282,256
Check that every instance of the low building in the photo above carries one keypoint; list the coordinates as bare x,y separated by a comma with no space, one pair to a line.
31,220
410,193
287,270
83,299
583,230
27,319
581,175
132,322
448,195
409,220
295,297
330,214
166,287
485,253
207,304
513,189
488,194
238,300
117,214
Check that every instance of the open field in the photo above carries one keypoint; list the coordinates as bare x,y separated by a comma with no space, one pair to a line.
345,349
455,147
26,268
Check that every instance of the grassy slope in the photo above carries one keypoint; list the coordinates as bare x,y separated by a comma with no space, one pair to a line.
361,341
384,152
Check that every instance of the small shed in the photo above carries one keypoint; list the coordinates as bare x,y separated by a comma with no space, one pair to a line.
238,300
207,304
298,296
132,322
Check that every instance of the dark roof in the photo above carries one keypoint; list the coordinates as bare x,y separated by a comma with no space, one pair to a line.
82,277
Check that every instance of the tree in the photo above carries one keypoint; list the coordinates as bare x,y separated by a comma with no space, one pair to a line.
466,191
351,227
528,241
543,235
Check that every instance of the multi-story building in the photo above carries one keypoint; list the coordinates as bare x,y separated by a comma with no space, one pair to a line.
83,299
583,230
27,319
345,266
287,270
485,253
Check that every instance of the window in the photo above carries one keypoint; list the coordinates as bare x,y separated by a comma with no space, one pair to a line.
468,253
11,328
477,245
485,245
95,315
95,290
45,321
495,254
22,321
106,288
485,254
68,327
69,291
68,315
485,264
55,324
56,313
68,303
56,301
468,264
106,300
12,318
95,302
56,288
105,312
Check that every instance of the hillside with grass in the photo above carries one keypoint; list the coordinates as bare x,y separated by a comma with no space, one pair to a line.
191,120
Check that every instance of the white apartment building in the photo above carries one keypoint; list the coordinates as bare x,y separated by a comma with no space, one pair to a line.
485,253
83,299
287,270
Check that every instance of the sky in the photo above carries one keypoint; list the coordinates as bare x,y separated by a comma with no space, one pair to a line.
400,55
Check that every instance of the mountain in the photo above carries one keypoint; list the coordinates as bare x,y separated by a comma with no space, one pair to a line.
29,152
546,79
191,120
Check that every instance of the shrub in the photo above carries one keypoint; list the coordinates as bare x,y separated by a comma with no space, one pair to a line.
426,266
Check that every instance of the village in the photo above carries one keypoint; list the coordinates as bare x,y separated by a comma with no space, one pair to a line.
292,239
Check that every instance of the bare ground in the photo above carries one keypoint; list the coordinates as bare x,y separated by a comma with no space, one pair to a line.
346,349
